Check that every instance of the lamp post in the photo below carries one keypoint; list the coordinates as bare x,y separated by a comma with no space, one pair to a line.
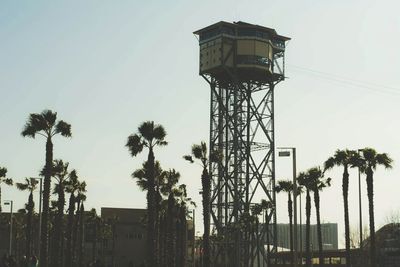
10,202
40,210
286,153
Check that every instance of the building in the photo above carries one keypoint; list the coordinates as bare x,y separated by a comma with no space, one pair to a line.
329,236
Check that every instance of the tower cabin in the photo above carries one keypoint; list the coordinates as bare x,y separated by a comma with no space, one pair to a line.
242,52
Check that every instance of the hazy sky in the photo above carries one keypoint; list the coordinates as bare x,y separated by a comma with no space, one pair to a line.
106,66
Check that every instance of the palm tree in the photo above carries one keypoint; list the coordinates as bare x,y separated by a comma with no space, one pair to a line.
61,174
169,189
183,201
5,180
72,186
141,180
287,187
267,206
77,226
200,153
344,158
149,135
318,183
305,181
45,124
30,185
368,162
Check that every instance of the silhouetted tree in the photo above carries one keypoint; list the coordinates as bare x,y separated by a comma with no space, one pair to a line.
287,187
368,162
200,153
318,183
149,136
45,124
344,158
73,186
29,185
5,180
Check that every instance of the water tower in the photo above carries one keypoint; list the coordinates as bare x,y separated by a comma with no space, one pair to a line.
242,63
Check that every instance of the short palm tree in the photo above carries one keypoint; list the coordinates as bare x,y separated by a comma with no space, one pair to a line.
5,180
200,152
318,183
304,180
344,158
287,187
72,186
149,136
46,125
368,162
267,206
30,185
61,174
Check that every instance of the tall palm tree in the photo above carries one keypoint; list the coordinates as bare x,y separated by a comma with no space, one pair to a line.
304,180
368,163
61,174
149,136
5,180
46,125
72,186
200,152
344,158
287,187
318,183
30,185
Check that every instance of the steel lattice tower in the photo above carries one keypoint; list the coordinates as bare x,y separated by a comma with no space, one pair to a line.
242,63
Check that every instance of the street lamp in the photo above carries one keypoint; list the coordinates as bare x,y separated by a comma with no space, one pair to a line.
285,152
40,210
10,202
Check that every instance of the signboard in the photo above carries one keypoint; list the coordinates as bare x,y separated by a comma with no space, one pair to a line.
284,153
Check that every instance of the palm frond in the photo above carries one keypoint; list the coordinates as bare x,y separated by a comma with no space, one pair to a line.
63,128
134,144
50,117
188,158
3,172
197,151
22,186
385,160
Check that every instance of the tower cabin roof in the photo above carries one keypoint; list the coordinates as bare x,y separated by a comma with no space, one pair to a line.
241,24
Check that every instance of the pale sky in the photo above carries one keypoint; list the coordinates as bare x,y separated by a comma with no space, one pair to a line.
106,66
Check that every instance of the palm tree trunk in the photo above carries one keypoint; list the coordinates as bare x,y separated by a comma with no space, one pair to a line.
308,215
370,189
319,232
345,188
290,212
151,216
44,239
171,232
30,208
71,208
81,235
183,236
75,234
0,201
58,228
157,202
206,184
